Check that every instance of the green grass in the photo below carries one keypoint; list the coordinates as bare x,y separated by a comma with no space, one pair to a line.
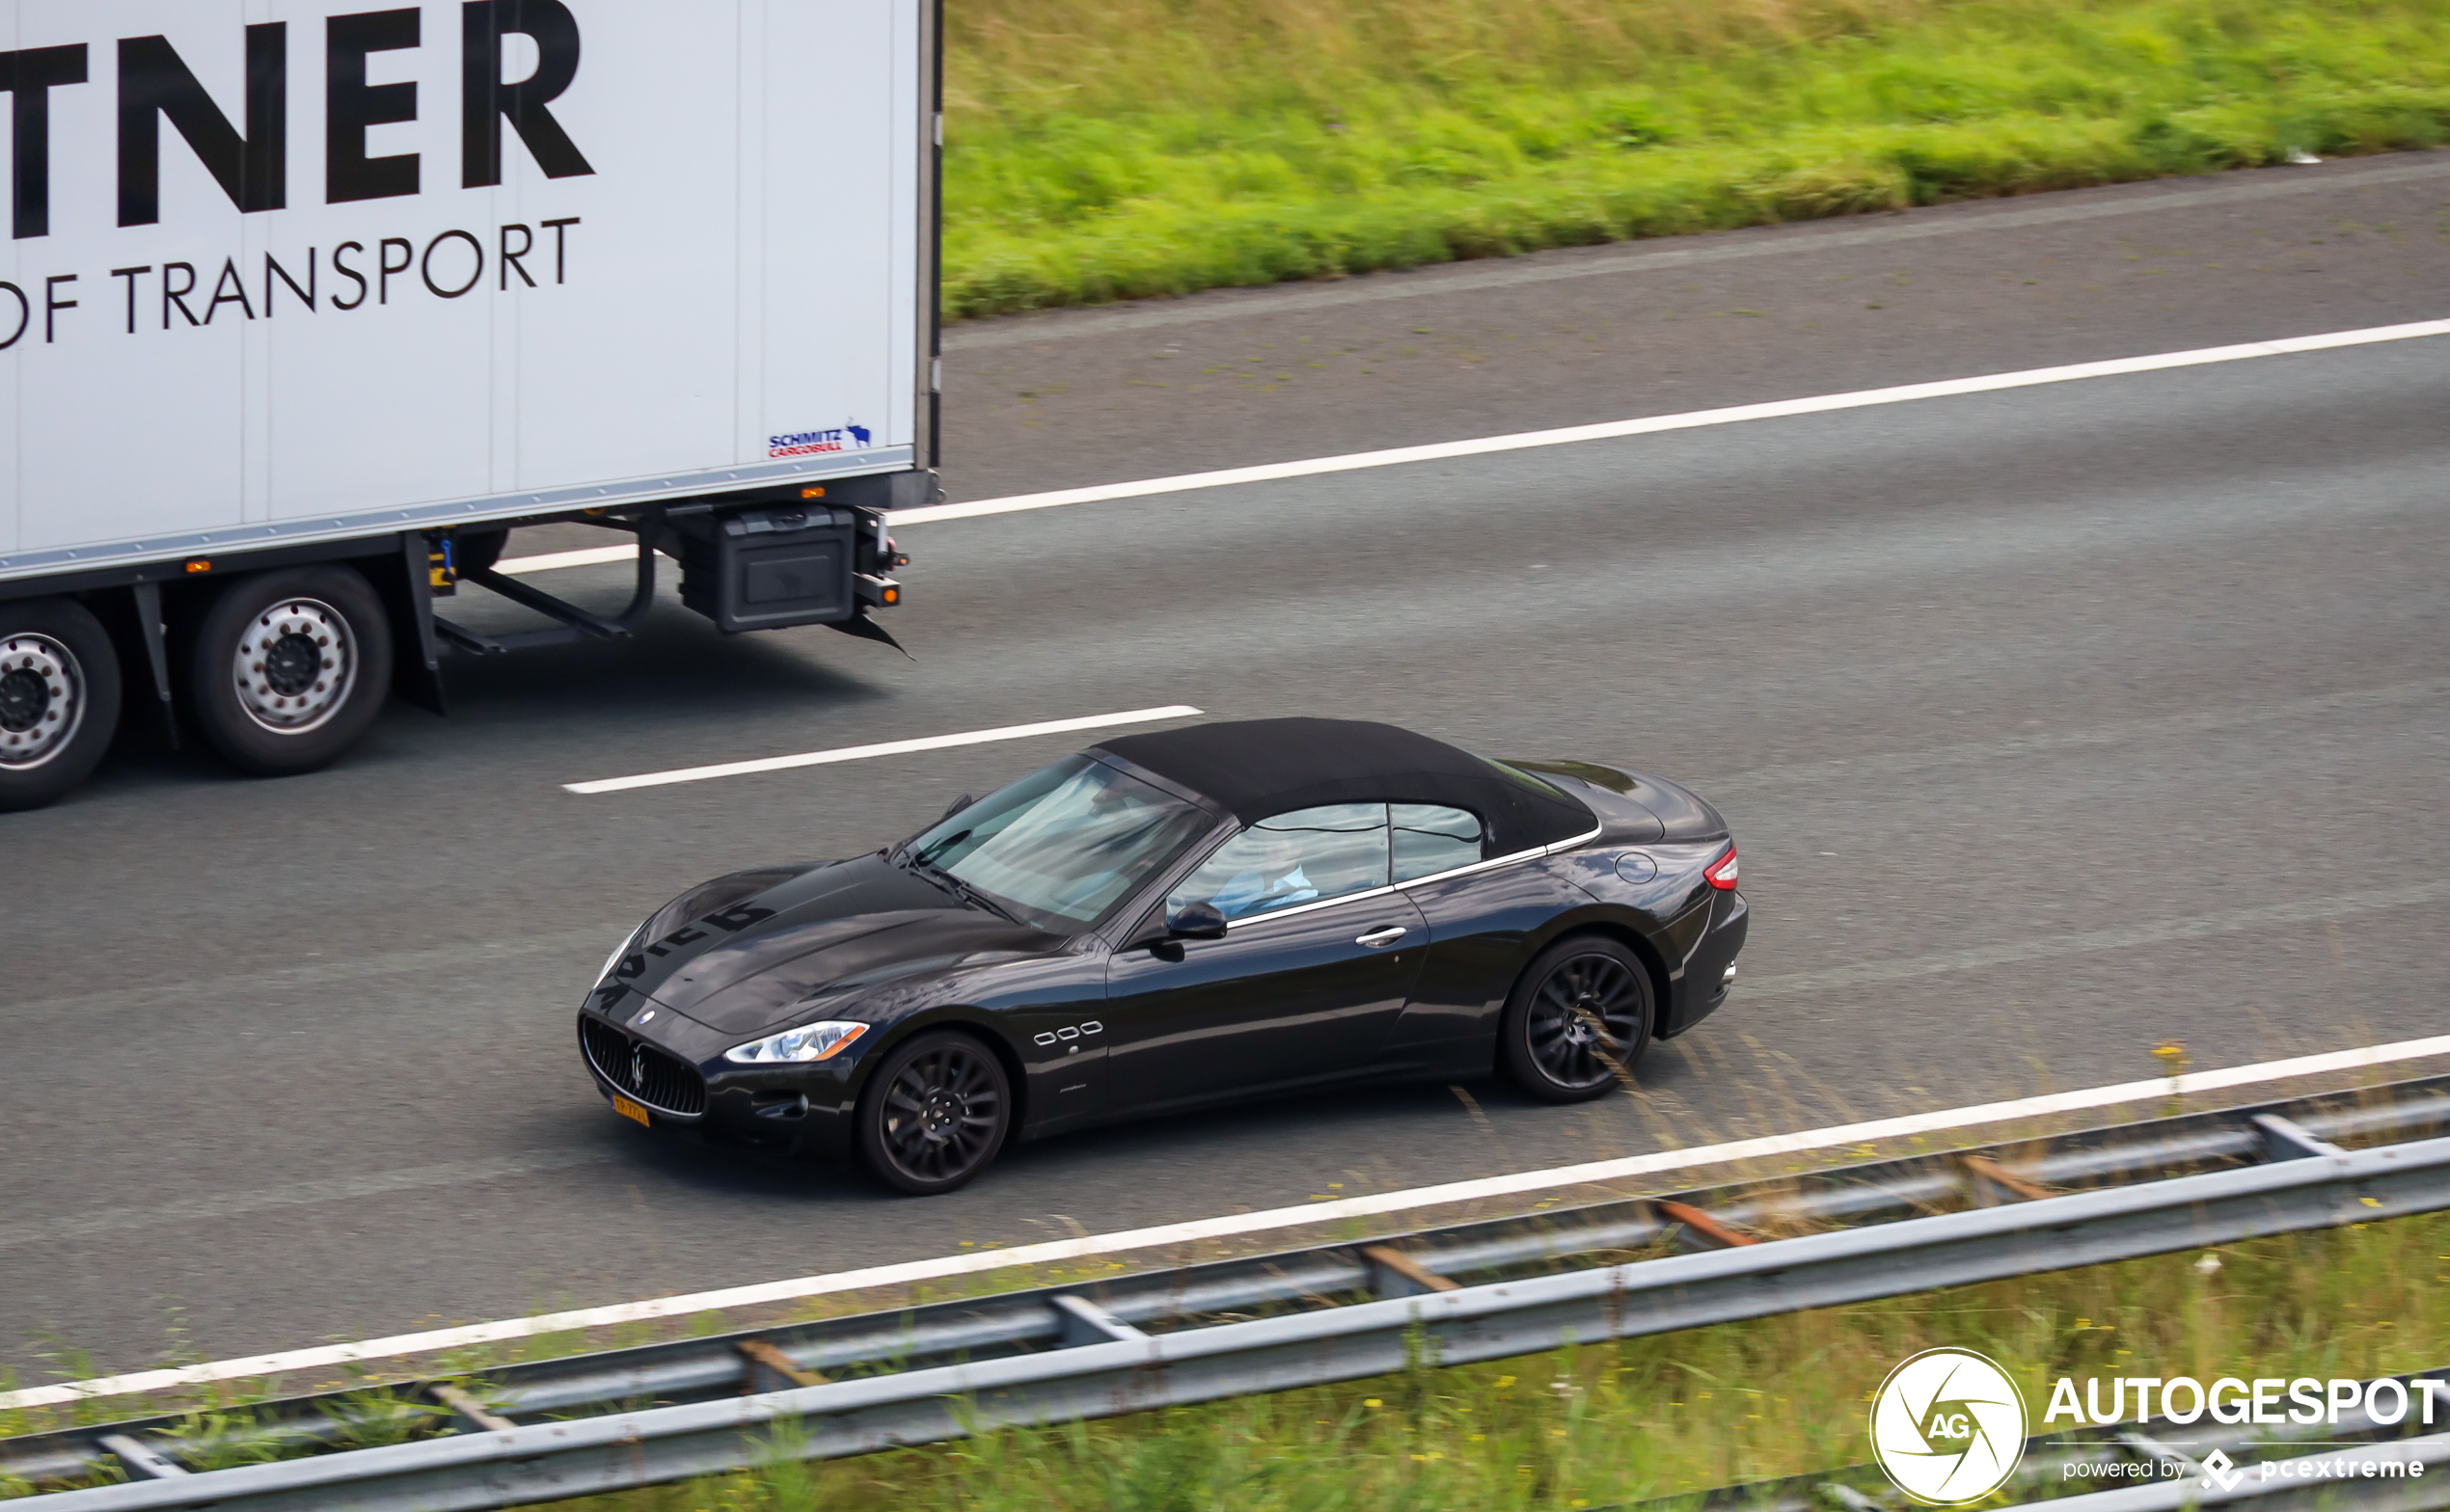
1100,149
1618,1423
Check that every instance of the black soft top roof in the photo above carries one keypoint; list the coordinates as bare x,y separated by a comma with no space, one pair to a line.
1258,767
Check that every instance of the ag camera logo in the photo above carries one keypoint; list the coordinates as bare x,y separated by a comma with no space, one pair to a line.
1948,1426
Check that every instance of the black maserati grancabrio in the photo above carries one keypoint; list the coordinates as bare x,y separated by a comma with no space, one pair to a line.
1171,920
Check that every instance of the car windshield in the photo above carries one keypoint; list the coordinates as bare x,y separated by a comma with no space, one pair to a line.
1062,845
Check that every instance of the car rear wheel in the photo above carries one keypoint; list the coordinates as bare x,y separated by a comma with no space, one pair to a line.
935,1113
289,667
1578,1020
59,698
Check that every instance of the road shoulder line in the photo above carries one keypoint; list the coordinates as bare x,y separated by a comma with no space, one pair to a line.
1804,1141
1606,430
1732,414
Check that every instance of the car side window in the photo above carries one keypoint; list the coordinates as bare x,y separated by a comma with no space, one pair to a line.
1304,856
1431,838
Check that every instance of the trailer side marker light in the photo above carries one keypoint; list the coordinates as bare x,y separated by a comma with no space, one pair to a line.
200,564
812,493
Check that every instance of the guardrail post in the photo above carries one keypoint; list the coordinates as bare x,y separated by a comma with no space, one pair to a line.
141,1458
1396,1273
1084,1322
2286,1140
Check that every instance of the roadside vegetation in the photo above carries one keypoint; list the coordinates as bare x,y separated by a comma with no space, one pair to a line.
1101,149
1614,1423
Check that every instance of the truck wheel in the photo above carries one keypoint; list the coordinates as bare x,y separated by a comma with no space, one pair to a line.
59,698
288,668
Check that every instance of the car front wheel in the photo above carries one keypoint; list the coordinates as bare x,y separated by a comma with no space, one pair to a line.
935,1113
1578,1020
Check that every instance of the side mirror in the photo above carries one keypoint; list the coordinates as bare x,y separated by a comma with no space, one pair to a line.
1198,921
959,804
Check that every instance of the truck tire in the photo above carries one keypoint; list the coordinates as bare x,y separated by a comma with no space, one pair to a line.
59,698
288,668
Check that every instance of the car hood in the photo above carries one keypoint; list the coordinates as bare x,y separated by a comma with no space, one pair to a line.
826,933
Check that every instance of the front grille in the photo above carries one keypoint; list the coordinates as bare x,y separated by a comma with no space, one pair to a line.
638,1069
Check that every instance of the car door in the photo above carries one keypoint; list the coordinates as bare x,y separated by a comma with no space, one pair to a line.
1318,956
1482,919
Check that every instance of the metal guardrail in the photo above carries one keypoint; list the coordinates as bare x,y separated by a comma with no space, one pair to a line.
1081,1352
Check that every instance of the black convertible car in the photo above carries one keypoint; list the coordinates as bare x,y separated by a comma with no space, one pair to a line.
1169,920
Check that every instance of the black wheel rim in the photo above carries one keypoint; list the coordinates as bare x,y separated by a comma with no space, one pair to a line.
943,1113
1585,1020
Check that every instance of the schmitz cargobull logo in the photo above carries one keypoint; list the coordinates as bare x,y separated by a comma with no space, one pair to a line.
1948,1426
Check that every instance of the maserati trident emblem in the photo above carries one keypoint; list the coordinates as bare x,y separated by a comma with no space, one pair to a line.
637,1069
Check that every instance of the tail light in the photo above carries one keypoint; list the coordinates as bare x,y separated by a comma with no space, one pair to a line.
1721,872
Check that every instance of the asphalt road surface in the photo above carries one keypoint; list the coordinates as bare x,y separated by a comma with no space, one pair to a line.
2055,724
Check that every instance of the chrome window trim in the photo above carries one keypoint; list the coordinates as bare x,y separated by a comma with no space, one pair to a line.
1533,855
1583,839
1491,864
1538,852
1307,908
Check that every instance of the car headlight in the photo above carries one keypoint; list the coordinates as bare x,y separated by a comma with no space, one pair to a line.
807,1042
618,951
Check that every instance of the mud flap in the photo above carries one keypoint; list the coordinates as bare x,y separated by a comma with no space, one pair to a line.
150,633
864,626
417,667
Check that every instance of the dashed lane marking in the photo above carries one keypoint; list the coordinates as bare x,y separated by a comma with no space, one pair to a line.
931,742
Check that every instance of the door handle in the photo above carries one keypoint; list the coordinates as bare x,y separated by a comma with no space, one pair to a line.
1381,936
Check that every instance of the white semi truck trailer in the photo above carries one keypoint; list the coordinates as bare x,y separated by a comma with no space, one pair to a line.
305,303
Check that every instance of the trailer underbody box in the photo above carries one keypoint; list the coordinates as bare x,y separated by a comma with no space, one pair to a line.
763,568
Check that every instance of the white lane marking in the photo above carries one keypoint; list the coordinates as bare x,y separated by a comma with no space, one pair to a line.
329,1356
1905,393
550,561
1438,451
932,743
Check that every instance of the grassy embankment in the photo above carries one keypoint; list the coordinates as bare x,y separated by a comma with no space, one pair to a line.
1116,148
1611,1423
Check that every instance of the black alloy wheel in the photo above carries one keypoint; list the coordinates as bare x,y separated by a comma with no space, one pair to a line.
935,1113
1578,1020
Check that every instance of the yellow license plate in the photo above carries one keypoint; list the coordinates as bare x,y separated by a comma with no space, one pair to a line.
631,1110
